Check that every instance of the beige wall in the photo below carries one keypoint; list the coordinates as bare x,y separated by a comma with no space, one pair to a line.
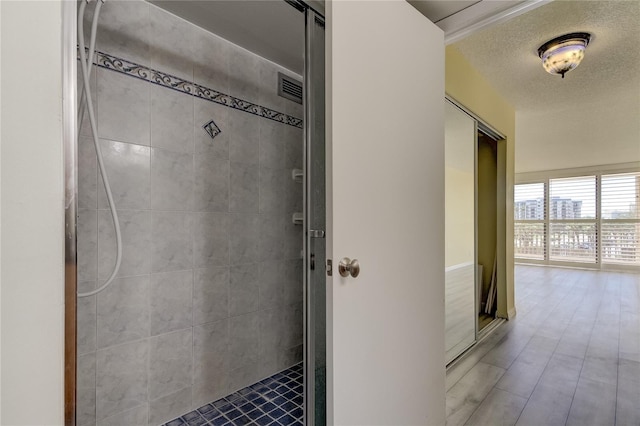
32,219
466,86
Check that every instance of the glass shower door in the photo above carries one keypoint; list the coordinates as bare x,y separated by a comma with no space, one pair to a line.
315,223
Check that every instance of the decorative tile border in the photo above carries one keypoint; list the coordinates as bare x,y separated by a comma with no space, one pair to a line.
169,81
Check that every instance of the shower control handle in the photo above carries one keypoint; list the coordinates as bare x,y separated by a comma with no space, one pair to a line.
348,267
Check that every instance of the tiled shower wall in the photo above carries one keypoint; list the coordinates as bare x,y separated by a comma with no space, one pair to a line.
209,295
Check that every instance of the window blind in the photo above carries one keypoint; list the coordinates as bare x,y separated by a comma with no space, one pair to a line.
572,198
621,218
572,224
529,225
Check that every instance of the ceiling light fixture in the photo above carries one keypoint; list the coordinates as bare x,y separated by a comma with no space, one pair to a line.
564,53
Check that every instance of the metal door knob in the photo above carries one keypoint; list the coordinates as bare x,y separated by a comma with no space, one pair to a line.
348,267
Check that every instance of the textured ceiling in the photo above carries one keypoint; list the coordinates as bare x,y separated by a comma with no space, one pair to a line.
506,54
592,117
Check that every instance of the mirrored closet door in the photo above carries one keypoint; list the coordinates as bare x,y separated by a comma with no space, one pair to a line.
460,206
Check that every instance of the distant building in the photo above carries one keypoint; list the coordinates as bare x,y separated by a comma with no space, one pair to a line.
529,209
559,208
565,208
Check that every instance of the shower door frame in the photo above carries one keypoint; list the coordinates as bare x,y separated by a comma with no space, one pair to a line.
313,114
70,149
312,9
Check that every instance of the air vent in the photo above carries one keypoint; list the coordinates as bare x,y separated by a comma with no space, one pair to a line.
289,88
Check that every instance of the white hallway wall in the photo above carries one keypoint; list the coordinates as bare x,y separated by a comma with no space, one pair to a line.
32,220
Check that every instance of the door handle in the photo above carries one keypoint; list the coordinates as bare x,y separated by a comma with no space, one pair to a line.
348,267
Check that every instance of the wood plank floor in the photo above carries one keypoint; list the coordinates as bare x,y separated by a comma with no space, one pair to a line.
570,357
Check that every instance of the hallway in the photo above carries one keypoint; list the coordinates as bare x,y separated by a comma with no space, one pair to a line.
571,356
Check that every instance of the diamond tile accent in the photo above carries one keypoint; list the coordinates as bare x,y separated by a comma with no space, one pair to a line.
212,129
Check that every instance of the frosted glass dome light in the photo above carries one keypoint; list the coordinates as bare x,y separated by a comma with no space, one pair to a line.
564,53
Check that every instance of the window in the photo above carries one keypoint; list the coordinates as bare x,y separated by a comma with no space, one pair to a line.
572,219
621,218
529,222
585,219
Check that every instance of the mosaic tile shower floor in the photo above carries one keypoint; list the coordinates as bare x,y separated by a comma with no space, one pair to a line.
276,400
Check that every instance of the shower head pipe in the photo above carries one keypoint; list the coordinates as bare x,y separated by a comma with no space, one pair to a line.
85,65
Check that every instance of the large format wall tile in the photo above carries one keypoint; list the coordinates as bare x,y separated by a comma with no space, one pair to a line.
171,180
292,236
86,317
121,378
295,109
124,108
244,289
244,137
245,376
272,278
244,184
293,147
210,345
128,169
171,120
135,227
124,29
172,248
244,74
210,295
87,236
170,363
170,406
271,237
293,270
204,392
87,173
211,361
293,193
211,188
123,311
272,186
244,332
211,68
86,389
170,301
294,320
272,330
244,241
172,44
211,239
134,417
272,143
290,356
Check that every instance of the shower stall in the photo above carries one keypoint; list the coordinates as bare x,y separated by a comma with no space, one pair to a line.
212,136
